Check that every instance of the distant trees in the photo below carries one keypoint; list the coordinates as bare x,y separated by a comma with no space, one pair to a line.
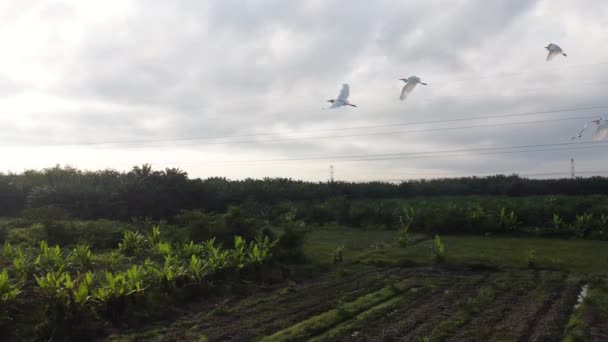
145,192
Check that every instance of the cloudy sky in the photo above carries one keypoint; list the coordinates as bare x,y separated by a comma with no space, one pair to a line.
236,88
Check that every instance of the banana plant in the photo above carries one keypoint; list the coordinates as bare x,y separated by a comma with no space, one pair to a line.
56,285
133,244
582,224
406,218
8,251
239,253
557,222
439,249
259,250
189,249
217,258
162,248
80,257
197,269
154,238
82,294
508,220
8,290
49,258
22,264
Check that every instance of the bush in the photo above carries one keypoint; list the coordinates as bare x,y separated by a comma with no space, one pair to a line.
45,215
198,224
29,236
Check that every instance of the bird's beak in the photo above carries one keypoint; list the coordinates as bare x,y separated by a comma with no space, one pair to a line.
423,83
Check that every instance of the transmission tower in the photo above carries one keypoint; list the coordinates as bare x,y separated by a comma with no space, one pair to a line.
331,173
572,167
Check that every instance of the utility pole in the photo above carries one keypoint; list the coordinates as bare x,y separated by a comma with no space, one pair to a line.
331,173
572,167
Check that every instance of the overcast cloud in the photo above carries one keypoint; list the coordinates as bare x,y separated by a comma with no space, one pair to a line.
124,71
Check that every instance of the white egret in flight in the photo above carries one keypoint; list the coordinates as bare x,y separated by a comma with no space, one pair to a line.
342,99
601,131
580,133
554,50
410,84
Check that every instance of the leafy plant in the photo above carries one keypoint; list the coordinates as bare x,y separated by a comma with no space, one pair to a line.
22,264
259,250
133,244
8,251
197,268
531,258
49,258
583,224
162,248
8,290
337,254
406,219
557,222
508,220
191,248
438,249
239,253
81,257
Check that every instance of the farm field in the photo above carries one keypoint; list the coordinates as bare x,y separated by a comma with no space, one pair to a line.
486,290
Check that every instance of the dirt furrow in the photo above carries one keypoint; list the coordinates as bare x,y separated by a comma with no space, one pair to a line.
420,320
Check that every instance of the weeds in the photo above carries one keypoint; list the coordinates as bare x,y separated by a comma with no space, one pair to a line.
531,258
337,255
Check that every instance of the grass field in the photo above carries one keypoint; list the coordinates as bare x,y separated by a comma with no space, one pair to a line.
488,289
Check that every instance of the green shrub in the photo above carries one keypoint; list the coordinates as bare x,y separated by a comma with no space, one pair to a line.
30,236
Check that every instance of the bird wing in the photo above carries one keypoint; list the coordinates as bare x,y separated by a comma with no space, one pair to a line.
407,88
344,93
580,133
403,93
600,133
551,54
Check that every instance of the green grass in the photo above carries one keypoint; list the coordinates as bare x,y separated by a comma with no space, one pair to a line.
578,256
322,241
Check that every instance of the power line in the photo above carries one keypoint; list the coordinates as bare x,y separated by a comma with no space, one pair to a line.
342,136
407,155
489,173
414,153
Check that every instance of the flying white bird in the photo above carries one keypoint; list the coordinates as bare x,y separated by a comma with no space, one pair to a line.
580,133
554,50
410,84
342,99
602,129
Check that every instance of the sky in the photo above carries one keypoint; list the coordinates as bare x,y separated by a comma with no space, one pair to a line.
238,89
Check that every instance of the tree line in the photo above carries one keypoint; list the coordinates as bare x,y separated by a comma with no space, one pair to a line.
144,192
